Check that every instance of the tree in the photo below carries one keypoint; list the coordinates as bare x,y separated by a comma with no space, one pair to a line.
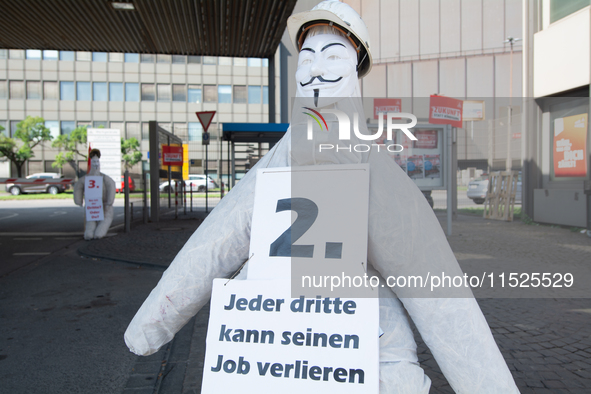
74,147
31,132
130,152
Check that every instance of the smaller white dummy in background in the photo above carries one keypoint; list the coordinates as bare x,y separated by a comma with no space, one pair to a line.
97,191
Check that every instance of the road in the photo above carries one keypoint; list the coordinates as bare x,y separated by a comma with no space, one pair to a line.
32,229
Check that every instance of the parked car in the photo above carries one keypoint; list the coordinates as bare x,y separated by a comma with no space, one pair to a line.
17,188
122,188
195,183
478,188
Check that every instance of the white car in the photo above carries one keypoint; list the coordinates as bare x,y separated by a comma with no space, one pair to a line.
195,183
52,188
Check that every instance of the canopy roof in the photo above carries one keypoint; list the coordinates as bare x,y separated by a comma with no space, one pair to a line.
246,28
254,132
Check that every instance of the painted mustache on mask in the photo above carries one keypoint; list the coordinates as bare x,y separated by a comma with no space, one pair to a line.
321,80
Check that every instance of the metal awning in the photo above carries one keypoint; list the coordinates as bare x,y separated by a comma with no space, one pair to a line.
247,28
254,132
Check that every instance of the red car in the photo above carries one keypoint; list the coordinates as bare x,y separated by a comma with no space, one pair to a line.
122,188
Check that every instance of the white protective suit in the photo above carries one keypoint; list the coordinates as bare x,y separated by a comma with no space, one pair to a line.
97,229
405,238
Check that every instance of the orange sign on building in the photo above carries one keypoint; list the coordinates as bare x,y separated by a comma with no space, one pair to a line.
570,146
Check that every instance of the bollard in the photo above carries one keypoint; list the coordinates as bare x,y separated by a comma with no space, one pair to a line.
185,196
127,221
222,190
176,199
131,212
145,202
191,190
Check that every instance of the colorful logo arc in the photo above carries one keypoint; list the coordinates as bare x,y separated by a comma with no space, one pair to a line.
315,118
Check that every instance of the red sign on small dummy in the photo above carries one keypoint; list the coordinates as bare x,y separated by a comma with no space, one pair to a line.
386,105
445,110
172,155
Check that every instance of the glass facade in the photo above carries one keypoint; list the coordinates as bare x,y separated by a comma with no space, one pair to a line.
132,91
67,127
99,91
33,90
179,93
67,55
195,130
148,93
99,56
67,91
194,94
115,91
225,94
83,92
54,127
132,58
17,90
164,93
254,94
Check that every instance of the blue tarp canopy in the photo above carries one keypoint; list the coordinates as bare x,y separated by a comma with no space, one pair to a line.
254,132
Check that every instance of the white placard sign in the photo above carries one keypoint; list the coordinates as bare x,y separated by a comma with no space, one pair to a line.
310,217
108,141
93,198
261,340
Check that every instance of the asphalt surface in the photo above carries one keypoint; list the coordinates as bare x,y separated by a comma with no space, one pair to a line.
63,315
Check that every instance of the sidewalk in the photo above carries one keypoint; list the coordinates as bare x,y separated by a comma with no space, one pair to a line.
546,342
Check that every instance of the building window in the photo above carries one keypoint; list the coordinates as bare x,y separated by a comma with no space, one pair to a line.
33,90
13,127
132,91
145,131
67,127
194,59
16,53
179,59
115,91
99,56
115,57
132,58
100,124
560,8
254,94
265,95
164,94
67,91
33,54
265,62
87,124
179,93
210,60
254,62
225,61
195,131
148,93
147,58
240,61
3,53
194,95
210,93
99,91
224,94
83,92
50,55
239,94
54,127
50,91
67,55
3,90
163,58
84,56
117,126
133,130
17,90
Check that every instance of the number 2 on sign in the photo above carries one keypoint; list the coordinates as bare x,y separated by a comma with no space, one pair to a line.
307,212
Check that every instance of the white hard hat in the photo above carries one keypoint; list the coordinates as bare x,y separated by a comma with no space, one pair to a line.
340,16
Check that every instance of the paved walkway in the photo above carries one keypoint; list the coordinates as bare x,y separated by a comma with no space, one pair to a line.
546,341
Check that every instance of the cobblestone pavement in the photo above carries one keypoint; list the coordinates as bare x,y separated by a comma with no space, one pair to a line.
546,342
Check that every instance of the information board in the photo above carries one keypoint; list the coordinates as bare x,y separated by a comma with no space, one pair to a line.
108,141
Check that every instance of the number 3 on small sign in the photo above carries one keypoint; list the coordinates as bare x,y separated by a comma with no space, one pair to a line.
91,183
307,212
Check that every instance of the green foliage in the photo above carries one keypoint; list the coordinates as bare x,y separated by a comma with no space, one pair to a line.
31,132
130,152
72,146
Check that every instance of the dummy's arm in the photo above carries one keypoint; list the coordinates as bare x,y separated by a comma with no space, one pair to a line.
110,187
79,192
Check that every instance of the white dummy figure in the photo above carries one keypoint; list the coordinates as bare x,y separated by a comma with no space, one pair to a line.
405,237
97,229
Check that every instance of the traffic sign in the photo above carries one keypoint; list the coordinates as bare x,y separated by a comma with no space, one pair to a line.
205,138
205,118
